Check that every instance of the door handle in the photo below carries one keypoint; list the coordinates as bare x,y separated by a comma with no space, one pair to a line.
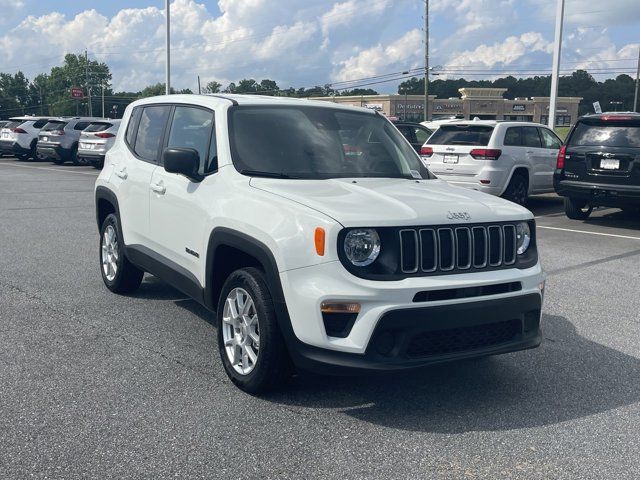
122,173
158,188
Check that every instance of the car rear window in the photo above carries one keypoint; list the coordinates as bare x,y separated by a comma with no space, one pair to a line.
14,124
52,126
40,123
98,127
607,134
81,125
475,135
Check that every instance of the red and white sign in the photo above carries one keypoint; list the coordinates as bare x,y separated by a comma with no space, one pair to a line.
77,93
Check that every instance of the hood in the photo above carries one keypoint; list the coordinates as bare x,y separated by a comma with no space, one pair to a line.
394,202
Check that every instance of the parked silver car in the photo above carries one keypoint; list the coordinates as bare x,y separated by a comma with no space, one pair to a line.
59,138
20,136
96,140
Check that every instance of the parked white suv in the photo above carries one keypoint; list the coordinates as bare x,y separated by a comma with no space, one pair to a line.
508,159
316,234
19,137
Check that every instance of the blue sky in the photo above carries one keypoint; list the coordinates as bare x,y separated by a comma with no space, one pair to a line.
302,43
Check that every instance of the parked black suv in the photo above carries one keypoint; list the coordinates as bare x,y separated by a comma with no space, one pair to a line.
416,133
599,164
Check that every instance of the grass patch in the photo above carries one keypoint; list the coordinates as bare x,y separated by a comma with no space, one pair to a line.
562,132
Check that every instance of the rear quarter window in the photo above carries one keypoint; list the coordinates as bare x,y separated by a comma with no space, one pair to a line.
51,126
475,135
81,125
40,123
607,134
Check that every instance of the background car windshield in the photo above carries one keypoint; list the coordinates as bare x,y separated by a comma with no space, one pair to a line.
608,135
475,135
319,142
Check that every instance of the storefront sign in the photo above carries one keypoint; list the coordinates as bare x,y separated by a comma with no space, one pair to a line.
519,107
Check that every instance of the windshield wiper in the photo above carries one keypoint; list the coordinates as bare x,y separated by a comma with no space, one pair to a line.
258,173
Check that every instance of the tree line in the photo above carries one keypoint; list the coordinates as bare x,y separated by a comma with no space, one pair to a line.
579,84
50,93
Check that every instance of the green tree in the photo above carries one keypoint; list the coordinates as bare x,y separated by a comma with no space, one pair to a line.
212,87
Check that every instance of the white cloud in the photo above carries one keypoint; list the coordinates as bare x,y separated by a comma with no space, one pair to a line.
342,14
403,53
504,52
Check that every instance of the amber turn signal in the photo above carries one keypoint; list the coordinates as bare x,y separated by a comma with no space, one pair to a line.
340,307
319,241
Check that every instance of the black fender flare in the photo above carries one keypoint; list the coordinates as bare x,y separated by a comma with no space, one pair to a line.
223,236
104,193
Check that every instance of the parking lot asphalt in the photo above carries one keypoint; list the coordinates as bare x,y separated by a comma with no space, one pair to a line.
94,385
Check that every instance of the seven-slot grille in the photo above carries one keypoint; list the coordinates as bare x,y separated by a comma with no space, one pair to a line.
451,249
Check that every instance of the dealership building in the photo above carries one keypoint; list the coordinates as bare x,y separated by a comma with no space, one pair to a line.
483,103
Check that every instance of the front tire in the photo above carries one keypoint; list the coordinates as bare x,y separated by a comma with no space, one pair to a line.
577,209
518,189
252,349
118,274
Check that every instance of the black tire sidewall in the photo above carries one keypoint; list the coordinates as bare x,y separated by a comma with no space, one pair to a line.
516,181
272,351
115,283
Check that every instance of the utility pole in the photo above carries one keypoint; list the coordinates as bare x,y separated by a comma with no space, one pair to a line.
635,97
168,47
555,73
42,105
426,60
86,65
199,88
102,100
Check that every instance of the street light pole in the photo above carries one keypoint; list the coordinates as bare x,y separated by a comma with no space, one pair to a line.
426,60
168,47
555,73
635,97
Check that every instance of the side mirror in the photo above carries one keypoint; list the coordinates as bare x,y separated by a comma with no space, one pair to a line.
183,161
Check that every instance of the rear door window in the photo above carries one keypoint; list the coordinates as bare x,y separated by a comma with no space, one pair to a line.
530,137
606,134
151,131
474,135
40,123
513,137
549,139
132,127
192,128
422,134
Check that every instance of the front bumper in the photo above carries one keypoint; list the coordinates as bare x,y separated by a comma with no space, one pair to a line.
393,331
598,194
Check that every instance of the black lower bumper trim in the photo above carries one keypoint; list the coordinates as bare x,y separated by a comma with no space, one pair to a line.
417,337
603,194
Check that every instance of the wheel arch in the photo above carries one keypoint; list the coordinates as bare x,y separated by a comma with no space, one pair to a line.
106,203
518,170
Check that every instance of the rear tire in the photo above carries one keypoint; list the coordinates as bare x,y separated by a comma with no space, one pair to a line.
577,209
118,273
252,348
518,189
98,164
58,161
74,156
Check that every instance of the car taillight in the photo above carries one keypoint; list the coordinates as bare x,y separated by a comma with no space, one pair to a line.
426,151
485,153
56,132
562,154
18,130
105,135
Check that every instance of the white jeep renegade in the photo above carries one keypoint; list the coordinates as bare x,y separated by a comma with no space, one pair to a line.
316,234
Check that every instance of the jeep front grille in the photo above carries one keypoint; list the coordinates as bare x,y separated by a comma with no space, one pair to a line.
452,249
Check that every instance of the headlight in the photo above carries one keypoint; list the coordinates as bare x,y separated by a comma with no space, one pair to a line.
362,246
523,237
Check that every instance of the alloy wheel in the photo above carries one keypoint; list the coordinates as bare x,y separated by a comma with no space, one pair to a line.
110,253
241,332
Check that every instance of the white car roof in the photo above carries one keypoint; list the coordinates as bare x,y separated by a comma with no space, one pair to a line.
493,123
220,100
26,117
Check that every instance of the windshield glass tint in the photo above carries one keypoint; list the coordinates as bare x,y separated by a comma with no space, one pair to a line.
319,142
608,135
53,126
475,135
97,127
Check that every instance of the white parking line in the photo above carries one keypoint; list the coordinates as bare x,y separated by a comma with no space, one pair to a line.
46,168
589,233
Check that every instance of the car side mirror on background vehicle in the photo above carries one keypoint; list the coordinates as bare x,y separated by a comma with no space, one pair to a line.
184,161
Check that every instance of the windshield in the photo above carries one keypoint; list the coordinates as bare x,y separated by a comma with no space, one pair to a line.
474,135
620,134
319,142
